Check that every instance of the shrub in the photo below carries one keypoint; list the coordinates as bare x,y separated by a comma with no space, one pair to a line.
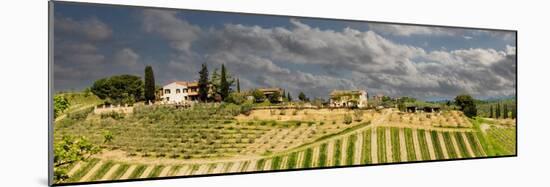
80,115
282,112
113,115
347,119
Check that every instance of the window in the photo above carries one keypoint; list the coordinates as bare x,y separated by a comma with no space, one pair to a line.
167,98
185,98
178,91
167,91
185,90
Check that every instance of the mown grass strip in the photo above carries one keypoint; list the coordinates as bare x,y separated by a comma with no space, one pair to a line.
366,153
423,144
381,142
350,151
156,171
323,155
291,162
409,143
395,144
260,165
337,152
174,170
83,170
227,167
276,162
449,145
308,157
244,166
461,145
102,171
473,143
137,172
437,145
122,168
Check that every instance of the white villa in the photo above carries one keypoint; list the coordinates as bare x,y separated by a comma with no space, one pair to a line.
348,98
180,92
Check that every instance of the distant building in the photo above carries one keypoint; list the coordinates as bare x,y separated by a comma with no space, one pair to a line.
348,98
378,97
269,92
180,92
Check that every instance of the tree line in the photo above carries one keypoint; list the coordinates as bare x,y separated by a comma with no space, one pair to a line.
501,111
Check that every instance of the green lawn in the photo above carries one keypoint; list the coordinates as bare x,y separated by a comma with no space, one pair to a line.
423,144
366,153
409,142
350,149
395,144
381,141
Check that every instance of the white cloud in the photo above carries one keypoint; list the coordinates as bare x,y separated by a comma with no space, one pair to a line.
409,30
91,28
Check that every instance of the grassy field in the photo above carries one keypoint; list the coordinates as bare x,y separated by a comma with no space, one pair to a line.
159,141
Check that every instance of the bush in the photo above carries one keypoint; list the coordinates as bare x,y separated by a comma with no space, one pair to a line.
113,115
80,115
358,114
347,119
245,109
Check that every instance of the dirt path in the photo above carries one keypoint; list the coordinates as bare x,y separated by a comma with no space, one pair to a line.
267,165
330,154
235,167
468,147
128,172
344,149
164,171
91,172
252,165
203,168
374,146
403,145
455,146
147,171
184,170
416,143
430,144
389,152
75,168
358,148
315,159
109,173
443,146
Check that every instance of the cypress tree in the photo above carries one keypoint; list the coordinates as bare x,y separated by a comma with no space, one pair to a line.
203,83
505,113
497,111
238,86
149,86
491,111
224,85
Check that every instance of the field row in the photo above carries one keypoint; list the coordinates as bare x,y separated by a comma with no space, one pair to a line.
371,146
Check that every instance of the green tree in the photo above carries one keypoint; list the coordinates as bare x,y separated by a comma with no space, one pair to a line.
149,84
505,112
119,89
258,96
203,83
108,136
224,84
466,104
60,104
236,98
238,86
70,150
302,97
275,97
491,111
497,111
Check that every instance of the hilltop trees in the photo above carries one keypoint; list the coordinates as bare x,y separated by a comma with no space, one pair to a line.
289,97
238,86
466,104
497,111
302,97
505,112
225,86
491,111
60,104
119,89
149,84
203,83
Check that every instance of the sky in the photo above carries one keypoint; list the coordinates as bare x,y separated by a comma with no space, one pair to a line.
309,55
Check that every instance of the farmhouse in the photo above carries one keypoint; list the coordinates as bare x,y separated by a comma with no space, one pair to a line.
269,92
348,98
180,92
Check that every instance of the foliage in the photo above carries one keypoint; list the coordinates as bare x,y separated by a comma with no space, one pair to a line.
358,114
238,86
466,104
348,119
274,98
288,97
119,89
108,136
80,114
236,98
70,150
60,104
113,115
225,86
203,83
303,97
258,96
149,86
